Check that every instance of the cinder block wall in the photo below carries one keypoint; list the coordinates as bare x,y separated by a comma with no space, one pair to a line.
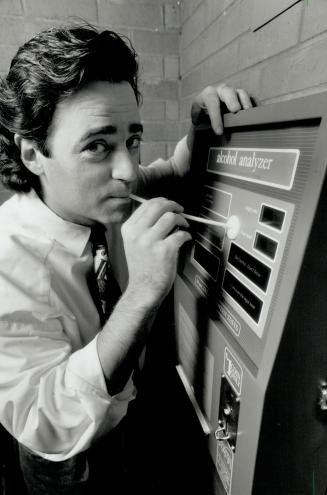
152,26
275,49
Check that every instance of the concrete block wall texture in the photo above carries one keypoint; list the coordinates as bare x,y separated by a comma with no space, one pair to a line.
274,49
153,27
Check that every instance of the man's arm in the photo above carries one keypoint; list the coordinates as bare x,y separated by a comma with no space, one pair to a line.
54,400
152,245
53,395
152,242
212,102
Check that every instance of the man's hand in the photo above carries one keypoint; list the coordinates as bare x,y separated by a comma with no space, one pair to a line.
152,241
209,102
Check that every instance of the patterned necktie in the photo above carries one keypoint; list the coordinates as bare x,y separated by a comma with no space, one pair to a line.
108,289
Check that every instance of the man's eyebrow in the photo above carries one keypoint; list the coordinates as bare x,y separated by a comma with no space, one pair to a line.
136,127
110,129
106,129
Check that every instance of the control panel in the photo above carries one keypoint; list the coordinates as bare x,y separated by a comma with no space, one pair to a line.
247,335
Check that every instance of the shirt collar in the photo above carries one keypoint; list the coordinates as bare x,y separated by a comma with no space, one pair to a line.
72,236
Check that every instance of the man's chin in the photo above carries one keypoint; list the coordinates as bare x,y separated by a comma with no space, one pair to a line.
117,216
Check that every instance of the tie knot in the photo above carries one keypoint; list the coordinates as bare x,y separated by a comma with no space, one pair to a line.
98,239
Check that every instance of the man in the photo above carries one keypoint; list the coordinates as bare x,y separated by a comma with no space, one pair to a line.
70,135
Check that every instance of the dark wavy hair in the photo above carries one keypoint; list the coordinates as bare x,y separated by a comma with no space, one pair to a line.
50,67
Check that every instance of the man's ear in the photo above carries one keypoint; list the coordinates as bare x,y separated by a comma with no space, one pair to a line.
29,154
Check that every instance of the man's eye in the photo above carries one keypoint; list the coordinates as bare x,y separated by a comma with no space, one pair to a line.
134,142
96,148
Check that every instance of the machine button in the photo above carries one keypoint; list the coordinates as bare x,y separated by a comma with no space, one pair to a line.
322,396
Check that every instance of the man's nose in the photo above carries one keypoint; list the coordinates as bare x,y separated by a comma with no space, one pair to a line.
124,167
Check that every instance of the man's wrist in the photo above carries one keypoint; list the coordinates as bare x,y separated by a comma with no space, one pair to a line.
139,301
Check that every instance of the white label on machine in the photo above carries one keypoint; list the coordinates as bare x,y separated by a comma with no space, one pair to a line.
208,381
188,343
233,371
269,166
224,464
229,319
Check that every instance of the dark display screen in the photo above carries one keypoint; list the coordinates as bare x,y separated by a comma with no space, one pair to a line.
243,296
251,267
207,260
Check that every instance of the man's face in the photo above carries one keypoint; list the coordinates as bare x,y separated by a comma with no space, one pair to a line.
94,142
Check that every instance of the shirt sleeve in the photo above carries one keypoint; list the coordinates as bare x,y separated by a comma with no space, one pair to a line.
52,399
161,172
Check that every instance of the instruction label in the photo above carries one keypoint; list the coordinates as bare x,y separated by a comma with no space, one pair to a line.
224,464
233,371
229,319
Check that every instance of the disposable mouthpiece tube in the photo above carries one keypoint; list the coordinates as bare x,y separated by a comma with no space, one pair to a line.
207,221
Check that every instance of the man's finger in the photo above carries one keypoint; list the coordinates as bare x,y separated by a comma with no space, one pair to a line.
166,224
229,96
244,98
177,239
211,103
151,210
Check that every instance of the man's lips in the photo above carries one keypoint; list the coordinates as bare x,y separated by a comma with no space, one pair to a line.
124,195
119,198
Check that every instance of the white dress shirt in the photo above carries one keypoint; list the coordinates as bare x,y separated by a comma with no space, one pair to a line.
53,395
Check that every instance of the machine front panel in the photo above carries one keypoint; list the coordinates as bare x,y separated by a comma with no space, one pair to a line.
261,183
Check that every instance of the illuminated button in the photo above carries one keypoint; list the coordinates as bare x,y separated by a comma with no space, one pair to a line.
233,227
